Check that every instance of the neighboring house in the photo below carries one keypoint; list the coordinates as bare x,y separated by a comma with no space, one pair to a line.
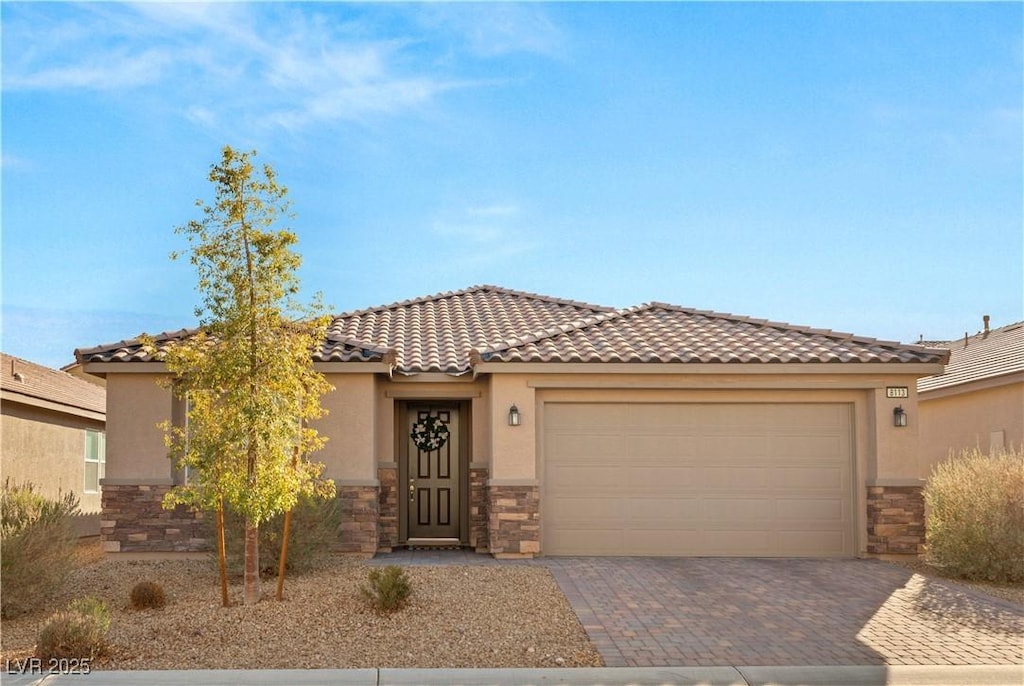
979,401
573,429
52,432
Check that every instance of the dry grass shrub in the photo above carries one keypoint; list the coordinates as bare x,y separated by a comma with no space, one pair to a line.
148,595
388,589
312,537
37,546
975,526
76,633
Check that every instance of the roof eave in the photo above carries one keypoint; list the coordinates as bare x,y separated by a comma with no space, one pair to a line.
915,369
10,396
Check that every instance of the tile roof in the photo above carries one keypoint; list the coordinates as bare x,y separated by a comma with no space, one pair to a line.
658,332
450,332
36,381
130,350
436,333
982,356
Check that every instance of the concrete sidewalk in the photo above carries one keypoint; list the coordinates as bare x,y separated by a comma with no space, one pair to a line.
870,675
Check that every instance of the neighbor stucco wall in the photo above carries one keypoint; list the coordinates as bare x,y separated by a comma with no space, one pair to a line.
47,449
978,416
136,405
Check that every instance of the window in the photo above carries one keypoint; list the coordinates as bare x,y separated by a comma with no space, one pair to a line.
95,459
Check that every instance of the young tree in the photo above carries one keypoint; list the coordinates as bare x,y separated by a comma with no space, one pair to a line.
248,373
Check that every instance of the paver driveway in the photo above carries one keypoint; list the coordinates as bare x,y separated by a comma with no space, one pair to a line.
651,612
658,612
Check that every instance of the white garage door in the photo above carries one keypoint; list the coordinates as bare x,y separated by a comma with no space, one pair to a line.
698,479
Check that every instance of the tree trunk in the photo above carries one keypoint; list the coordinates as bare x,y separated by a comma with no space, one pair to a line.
252,562
222,557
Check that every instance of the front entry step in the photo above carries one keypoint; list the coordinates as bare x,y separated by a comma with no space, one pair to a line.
433,544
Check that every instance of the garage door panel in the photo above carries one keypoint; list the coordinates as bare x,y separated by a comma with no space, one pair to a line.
814,543
584,478
693,479
592,445
807,447
654,480
809,509
724,512
746,448
810,478
733,478
665,445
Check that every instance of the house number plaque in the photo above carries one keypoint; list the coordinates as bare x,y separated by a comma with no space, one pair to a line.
896,392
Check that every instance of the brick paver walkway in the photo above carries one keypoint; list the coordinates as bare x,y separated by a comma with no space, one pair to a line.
652,612
659,612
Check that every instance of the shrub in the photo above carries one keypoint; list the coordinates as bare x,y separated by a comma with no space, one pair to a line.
976,515
37,546
76,633
314,532
148,595
388,589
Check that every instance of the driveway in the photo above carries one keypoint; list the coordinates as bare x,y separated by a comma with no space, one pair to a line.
652,612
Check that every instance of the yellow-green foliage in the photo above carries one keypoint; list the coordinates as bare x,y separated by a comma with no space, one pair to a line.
37,547
248,373
975,506
388,589
76,633
313,535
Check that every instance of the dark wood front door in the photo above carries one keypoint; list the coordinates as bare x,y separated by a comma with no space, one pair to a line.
433,484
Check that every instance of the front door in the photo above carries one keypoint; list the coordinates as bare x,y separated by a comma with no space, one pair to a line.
432,490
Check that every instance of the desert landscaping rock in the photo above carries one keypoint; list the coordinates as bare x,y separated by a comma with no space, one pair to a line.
456,617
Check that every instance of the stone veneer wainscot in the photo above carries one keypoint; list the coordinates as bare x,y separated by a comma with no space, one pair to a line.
514,520
896,519
134,521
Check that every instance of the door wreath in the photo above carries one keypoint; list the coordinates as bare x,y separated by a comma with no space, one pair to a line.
429,433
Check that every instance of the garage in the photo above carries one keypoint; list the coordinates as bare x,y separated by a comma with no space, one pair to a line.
698,479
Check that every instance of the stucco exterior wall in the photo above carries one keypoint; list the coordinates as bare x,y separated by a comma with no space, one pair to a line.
979,416
350,427
47,449
136,453
513,448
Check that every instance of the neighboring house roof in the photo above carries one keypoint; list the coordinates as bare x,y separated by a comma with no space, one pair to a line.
985,355
450,332
33,384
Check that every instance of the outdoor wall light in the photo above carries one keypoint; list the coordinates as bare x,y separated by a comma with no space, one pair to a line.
899,417
513,416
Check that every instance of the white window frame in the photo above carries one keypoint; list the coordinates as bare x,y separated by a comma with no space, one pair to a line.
99,459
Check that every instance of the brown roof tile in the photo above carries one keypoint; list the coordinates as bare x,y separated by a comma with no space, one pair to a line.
36,381
666,333
982,356
449,332
436,333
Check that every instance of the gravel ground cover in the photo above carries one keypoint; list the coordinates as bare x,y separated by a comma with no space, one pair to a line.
457,617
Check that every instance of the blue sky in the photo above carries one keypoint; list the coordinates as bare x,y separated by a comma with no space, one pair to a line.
848,166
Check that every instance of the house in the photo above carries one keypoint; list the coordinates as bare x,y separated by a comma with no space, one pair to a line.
53,433
978,402
520,424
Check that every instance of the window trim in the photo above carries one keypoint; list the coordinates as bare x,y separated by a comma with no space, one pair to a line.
100,460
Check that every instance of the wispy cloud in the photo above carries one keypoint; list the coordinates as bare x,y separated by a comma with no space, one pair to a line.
479,236
495,29
113,70
262,64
